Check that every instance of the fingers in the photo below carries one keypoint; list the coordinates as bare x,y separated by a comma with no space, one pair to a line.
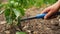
49,14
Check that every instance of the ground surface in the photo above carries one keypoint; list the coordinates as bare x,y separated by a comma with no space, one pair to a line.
35,26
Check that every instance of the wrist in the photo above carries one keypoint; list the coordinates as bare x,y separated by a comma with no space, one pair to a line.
59,2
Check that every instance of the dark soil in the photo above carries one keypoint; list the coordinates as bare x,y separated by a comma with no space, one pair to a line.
35,26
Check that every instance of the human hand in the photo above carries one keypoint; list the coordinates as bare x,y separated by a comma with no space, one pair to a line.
51,10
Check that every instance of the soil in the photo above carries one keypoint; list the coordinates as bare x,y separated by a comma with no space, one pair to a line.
35,26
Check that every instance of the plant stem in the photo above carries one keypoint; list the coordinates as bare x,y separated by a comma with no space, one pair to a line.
19,24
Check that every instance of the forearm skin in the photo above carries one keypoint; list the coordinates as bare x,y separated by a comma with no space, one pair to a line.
59,2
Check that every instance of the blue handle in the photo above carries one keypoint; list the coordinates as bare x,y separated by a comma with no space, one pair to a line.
41,15
37,16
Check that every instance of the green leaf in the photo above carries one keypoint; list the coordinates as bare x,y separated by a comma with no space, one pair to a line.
22,11
20,32
7,13
1,5
17,13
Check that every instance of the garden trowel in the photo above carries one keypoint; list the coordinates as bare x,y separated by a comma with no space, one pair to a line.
34,17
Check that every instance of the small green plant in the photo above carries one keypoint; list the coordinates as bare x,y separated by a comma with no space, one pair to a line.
20,32
15,9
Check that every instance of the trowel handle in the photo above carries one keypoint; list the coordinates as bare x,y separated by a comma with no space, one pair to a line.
35,17
40,15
